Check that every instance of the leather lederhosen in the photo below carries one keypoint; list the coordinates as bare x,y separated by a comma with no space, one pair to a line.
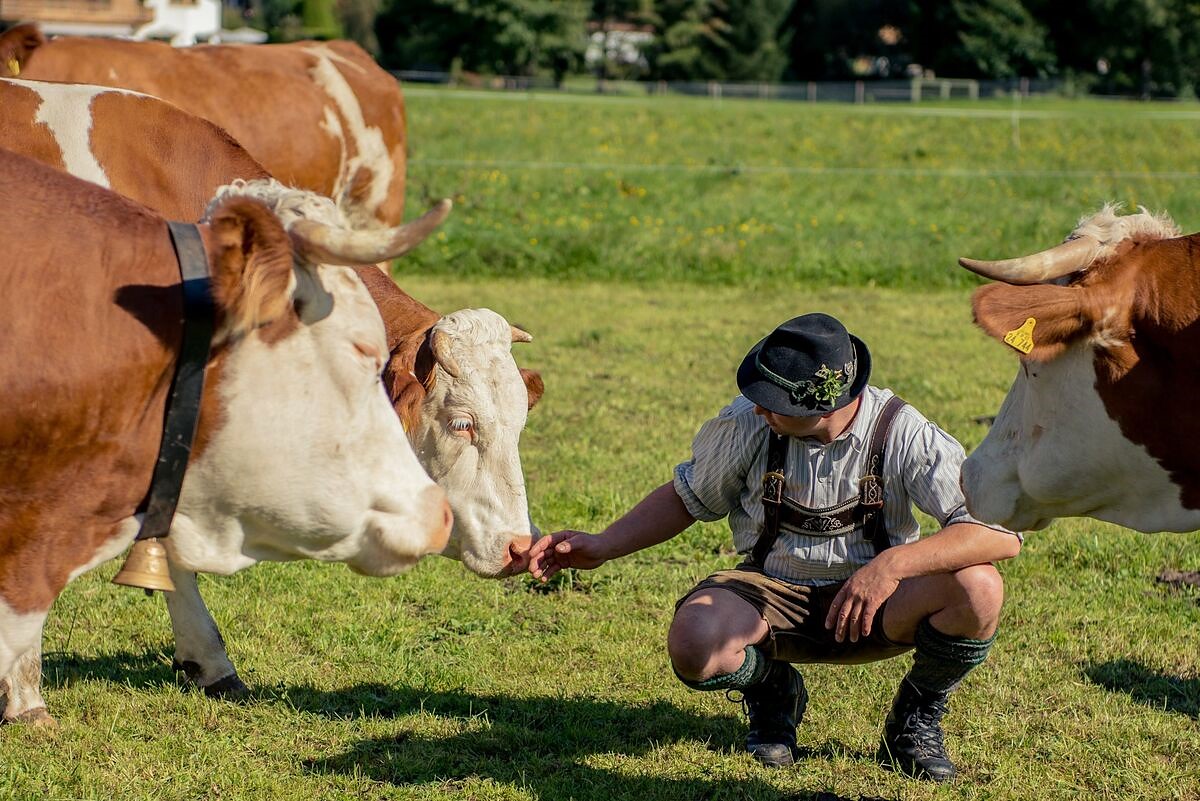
865,510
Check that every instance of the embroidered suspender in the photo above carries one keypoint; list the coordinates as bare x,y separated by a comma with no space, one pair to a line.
777,448
841,519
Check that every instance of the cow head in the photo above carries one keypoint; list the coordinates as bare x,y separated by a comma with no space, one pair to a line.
303,449
465,404
1105,327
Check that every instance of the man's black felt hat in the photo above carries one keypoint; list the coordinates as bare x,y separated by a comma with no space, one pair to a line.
810,365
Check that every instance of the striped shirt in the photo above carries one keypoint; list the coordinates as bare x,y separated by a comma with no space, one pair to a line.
729,457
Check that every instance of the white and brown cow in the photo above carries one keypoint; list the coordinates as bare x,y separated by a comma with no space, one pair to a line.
298,453
464,407
1100,421
317,115
174,162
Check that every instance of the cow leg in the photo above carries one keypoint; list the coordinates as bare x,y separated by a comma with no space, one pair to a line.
199,647
22,684
22,688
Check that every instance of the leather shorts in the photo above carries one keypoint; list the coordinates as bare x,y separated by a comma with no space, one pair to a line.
795,616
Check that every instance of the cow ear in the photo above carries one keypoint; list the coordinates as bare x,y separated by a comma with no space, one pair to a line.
251,259
16,45
534,385
1058,315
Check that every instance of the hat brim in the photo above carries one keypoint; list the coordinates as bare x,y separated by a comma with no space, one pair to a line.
759,389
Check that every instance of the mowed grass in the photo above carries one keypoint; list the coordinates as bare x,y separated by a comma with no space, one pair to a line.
439,685
766,194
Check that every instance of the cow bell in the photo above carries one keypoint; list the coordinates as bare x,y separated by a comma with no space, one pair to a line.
146,567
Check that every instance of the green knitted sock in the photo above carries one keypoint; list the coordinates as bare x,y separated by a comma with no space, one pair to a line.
941,661
753,668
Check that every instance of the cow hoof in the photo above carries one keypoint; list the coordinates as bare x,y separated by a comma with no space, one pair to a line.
229,688
38,718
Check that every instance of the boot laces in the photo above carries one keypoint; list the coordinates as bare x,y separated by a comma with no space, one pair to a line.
923,728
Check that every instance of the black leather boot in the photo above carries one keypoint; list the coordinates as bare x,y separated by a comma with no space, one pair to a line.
775,706
912,735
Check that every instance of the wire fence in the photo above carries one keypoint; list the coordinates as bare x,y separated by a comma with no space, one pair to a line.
912,90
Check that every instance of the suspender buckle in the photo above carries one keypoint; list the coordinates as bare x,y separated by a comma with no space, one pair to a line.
773,487
870,492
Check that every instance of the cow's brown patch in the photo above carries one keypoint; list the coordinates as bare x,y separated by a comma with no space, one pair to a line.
163,157
264,96
1141,310
19,130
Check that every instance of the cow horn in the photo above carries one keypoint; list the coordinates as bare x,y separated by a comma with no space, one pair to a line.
1038,268
326,244
520,336
439,343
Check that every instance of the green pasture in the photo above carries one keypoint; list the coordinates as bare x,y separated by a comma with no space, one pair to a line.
438,685
764,193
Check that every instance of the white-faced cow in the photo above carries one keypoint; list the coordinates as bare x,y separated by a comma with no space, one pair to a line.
1100,421
318,115
298,452
465,425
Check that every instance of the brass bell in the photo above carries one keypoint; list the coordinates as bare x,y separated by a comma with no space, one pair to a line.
146,567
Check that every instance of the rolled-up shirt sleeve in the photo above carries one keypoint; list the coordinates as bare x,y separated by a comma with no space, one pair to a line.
711,483
931,477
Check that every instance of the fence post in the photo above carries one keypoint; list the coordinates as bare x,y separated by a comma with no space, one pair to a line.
915,90
812,91
859,92
1025,87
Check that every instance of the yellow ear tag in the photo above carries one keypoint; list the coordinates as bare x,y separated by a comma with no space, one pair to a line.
14,67
1022,338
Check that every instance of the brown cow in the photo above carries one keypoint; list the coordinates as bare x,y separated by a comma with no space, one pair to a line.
1100,421
437,365
317,115
90,307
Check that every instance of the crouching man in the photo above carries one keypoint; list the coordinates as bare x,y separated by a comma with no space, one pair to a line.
817,473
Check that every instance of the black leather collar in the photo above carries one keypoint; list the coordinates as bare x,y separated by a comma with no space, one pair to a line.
183,403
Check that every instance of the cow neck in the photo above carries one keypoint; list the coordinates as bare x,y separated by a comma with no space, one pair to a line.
183,403
406,320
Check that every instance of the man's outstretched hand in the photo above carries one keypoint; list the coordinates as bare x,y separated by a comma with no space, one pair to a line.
565,548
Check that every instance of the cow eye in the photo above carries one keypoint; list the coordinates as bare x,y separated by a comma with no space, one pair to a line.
462,427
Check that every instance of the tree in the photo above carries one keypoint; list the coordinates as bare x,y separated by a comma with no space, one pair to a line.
734,40
508,37
829,36
981,39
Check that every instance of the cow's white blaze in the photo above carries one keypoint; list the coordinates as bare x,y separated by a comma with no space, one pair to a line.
468,434
369,149
1053,451
66,111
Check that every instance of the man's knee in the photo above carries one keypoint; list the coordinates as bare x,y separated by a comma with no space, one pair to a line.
692,643
981,594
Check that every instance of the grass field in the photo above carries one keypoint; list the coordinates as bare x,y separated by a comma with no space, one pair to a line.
755,193
437,685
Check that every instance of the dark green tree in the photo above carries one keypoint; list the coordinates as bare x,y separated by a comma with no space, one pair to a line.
828,37
757,40
981,39
513,37
724,40
1132,47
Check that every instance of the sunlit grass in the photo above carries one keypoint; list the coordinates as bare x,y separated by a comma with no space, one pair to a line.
437,685
759,193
